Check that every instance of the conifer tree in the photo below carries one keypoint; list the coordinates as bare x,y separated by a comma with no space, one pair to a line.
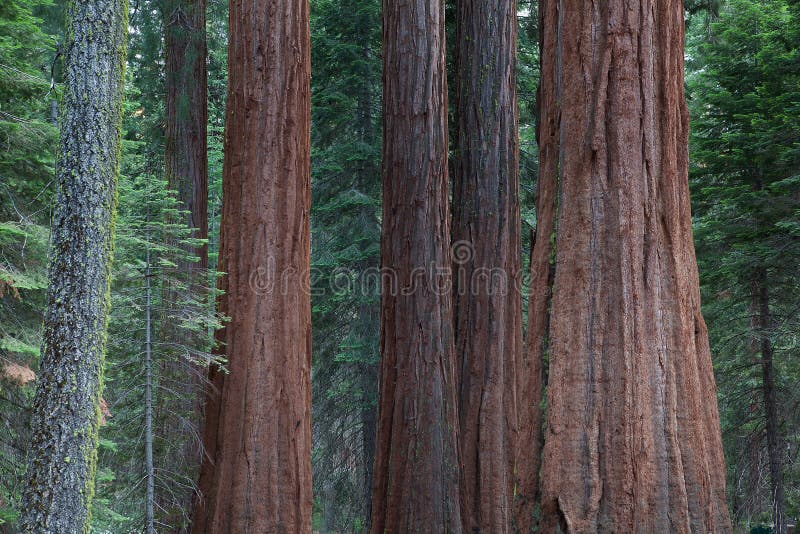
486,260
66,409
346,182
415,484
633,437
745,132
256,473
150,251
186,166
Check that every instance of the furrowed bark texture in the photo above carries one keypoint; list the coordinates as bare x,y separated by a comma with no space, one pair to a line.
187,173
257,475
212,410
486,257
531,379
633,438
186,110
66,409
415,480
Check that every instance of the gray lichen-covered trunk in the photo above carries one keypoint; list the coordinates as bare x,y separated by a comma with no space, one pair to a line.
66,412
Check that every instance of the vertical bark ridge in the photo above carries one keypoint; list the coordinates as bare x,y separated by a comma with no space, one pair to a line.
258,472
633,439
486,226
531,381
415,480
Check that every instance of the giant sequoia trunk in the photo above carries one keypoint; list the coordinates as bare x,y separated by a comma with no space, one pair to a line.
486,226
187,173
415,481
186,116
65,420
633,439
256,476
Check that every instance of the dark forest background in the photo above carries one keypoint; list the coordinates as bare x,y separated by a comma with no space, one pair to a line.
743,88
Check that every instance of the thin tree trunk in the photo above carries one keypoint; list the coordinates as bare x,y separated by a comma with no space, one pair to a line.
257,475
633,438
532,380
148,402
369,378
368,374
65,417
365,110
369,175
765,326
415,484
54,112
186,170
486,236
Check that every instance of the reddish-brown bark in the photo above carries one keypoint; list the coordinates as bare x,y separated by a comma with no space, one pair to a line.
185,157
206,486
633,440
415,480
531,379
256,476
187,173
486,236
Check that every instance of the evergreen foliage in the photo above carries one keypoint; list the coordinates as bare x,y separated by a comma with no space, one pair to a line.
147,246
345,245
743,77
28,138
745,103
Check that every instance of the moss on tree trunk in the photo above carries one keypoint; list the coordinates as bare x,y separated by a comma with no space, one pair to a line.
66,410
